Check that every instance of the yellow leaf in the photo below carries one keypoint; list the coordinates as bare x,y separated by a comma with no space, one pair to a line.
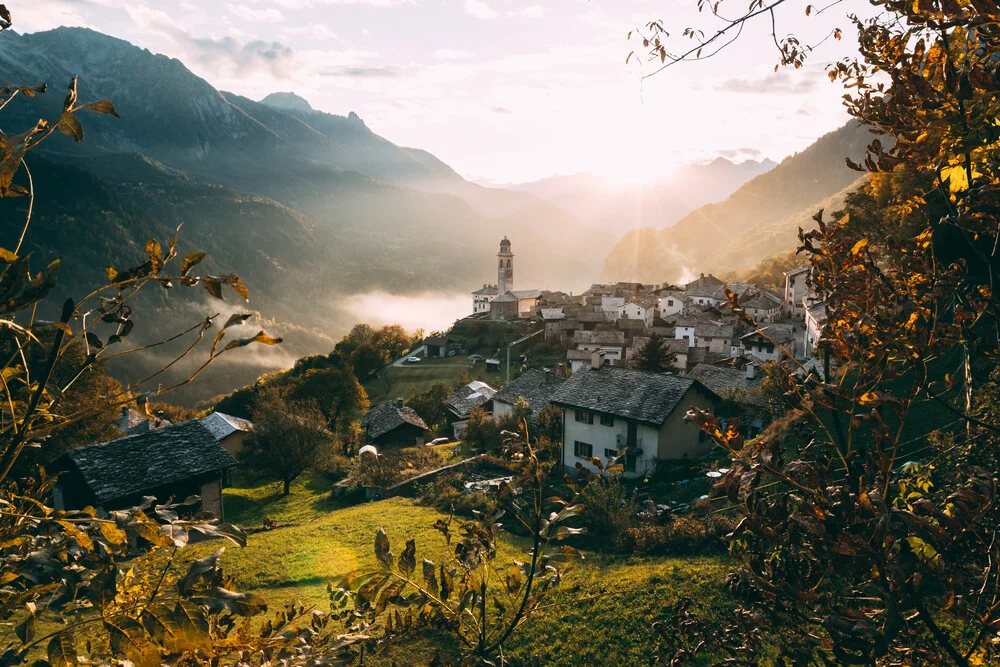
859,246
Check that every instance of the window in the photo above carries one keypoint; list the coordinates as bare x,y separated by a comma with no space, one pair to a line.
582,450
607,420
670,302
584,417
610,453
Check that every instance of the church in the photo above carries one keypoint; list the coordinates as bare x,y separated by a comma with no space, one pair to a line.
501,300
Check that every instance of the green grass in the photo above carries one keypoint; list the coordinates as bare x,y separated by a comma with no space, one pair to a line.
409,379
603,610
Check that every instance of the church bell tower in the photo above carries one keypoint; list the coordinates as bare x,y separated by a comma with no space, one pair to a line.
505,268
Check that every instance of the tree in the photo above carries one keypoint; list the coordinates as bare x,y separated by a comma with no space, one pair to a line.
288,438
336,392
878,521
653,356
429,404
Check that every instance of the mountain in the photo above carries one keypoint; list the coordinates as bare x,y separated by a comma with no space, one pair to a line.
757,221
309,208
659,203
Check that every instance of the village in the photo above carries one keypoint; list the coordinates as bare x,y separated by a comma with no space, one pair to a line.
579,356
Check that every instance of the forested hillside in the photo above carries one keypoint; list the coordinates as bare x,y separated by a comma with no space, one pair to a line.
757,221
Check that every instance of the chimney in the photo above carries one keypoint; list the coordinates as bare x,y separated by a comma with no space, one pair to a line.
560,371
751,371
703,275
399,401
596,359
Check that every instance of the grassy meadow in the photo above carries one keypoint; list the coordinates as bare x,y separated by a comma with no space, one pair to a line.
319,539
408,379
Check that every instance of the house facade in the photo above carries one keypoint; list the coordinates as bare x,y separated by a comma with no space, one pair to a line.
608,409
795,289
482,298
815,322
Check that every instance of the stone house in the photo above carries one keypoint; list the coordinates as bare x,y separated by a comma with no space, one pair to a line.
172,462
607,409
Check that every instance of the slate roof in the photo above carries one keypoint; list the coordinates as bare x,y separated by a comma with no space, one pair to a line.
535,385
137,464
640,396
388,416
505,298
130,421
469,397
780,333
527,293
720,379
488,291
222,425
438,341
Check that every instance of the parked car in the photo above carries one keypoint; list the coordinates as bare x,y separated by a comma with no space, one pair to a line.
413,360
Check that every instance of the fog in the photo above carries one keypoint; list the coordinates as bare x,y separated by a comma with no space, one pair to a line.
431,311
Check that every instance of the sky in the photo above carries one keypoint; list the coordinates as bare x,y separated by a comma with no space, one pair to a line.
504,91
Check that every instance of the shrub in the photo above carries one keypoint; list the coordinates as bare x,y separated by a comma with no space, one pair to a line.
609,513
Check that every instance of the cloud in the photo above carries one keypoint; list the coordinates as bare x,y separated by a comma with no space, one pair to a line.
480,10
249,14
371,72
224,56
740,154
779,82
451,54
500,110
532,11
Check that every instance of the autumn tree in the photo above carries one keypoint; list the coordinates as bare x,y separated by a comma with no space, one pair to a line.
335,392
877,525
288,439
430,405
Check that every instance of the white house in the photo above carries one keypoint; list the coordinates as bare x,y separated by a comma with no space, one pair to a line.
815,322
639,308
671,302
608,409
482,297
795,289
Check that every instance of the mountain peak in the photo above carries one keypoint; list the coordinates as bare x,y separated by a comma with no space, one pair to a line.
289,101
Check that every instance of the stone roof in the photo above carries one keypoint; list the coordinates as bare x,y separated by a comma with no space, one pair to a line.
436,340
640,396
615,337
796,271
469,397
780,333
817,312
764,300
714,330
535,385
527,293
505,298
222,425
386,417
489,290
140,463
645,301
720,379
